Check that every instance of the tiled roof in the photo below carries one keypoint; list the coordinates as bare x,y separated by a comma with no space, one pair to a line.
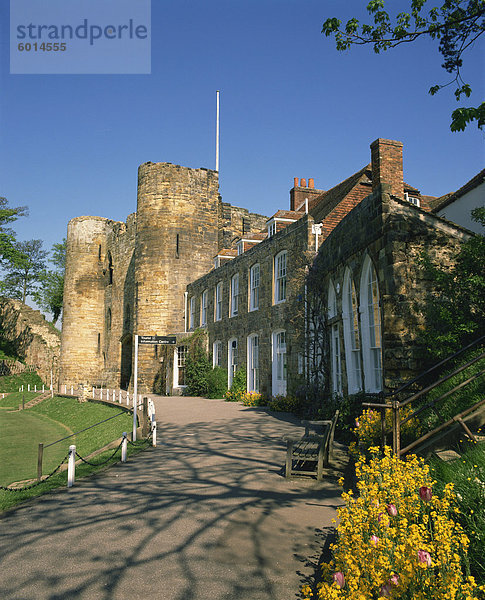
322,205
287,214
257,236
227,252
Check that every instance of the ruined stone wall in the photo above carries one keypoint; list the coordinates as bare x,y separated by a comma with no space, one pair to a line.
92,271
119,304
35,340
296,239
176,240
235,221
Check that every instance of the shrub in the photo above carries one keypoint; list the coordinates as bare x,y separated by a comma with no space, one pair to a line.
285,404
238,387
216,382
397,538
252,399
467,475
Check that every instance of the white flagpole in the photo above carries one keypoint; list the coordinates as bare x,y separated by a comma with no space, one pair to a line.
217,130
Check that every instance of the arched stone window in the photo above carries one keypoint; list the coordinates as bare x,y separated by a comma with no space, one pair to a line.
350,317
370,312
335,360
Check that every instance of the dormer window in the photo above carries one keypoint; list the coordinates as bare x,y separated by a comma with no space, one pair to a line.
271,228
411,199
217,262
240,248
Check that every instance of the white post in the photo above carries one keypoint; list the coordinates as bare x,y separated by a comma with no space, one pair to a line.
154,436
217,130
94,397
114,396
127,398
71,467
28,387
22,387
43,388
52,391
135,390
124,447
35,387
72,390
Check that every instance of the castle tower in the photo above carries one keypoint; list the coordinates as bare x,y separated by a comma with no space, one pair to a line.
83,311
176,239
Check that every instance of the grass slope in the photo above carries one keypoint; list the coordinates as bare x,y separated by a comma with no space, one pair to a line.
51,420
21,434
14,399
11,383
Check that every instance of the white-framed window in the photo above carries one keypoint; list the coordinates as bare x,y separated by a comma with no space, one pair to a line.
254,280
192,312
234,295
280,277
350,316
240,248
412,199
370,312
218,301
253,363
271,228
232,360
279,363
179,366
335,358
217,354
203,307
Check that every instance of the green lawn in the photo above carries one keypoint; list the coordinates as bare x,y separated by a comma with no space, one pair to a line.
21,434
47,422
14,399
11,383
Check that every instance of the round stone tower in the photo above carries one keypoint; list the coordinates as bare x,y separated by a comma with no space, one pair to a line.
176,240
83,311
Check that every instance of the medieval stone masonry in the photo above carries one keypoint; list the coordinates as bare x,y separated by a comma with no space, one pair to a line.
187,260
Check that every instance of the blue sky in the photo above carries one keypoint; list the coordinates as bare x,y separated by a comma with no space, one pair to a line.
291,106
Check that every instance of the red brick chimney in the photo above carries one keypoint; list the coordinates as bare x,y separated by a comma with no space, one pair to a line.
386,157
301,191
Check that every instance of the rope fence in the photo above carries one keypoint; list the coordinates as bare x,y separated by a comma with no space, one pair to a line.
151,435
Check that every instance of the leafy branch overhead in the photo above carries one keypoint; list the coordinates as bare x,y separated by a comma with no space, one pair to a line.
456,25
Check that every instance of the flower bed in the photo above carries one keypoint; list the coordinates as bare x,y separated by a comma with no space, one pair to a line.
397,538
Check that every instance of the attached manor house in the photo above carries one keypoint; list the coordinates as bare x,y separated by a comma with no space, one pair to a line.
329,290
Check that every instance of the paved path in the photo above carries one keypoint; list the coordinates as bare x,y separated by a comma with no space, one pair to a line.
205,515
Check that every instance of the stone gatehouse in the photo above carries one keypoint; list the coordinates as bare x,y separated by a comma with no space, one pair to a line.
187,260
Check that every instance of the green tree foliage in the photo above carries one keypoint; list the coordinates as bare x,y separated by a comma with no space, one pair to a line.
456,313
49,296
197,365
8,250
455,25
23,269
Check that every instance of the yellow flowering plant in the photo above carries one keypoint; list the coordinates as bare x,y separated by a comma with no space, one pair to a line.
368,426
397,538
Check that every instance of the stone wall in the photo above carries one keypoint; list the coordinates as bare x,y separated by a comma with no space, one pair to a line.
394,234
296,239
35,340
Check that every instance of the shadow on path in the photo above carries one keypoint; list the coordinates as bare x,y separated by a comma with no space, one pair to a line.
206,514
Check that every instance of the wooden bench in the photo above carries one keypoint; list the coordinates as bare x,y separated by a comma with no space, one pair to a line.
310,453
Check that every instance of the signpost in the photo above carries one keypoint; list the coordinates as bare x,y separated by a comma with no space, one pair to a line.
157,340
